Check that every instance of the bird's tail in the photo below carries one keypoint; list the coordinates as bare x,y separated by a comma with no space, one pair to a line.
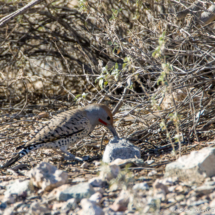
20,155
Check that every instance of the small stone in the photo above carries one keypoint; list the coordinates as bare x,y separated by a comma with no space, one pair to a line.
193,167
56,191
141,186
95,182
143,178
38,209
169,181
47,176
99,189
149,162
153,172
197,203
42,115
121,203
79,180
58,205
91,208
70,204
96,198
131,162
109,172
204,190
180,197
79,191
120,148
97,163
160,188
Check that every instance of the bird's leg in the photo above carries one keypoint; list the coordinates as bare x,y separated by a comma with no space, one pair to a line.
69,155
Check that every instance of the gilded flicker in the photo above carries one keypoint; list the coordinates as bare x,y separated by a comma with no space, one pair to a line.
67,128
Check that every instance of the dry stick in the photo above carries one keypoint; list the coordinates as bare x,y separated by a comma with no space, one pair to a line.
120,103
7,18
194,115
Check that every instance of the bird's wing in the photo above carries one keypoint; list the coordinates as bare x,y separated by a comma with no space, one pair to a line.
62,125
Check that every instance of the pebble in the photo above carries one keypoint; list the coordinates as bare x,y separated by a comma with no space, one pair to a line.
96,198
151,173
121,203
70,204
95,182
131,162
141,186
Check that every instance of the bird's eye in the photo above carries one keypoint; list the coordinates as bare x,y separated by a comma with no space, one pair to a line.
108,118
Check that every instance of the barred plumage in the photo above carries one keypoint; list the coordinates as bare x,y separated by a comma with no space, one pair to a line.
67,128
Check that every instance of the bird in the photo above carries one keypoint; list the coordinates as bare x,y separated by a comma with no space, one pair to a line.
65,129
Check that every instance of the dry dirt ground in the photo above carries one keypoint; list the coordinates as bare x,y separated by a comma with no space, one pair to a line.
17,126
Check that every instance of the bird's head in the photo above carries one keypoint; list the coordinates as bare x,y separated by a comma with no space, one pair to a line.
101,115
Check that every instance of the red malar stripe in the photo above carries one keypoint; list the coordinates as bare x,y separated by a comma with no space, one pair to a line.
102,122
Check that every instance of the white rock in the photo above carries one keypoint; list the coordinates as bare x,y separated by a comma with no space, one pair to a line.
9,199
95,182
47,176
131,162
141,186
70,204
109,172
97,163
193,167
90,208
19,188
153,172
96,198
120,148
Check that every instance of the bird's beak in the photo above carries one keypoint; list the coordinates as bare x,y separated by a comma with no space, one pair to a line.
113,131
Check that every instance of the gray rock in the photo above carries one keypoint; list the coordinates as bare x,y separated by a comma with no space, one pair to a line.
120,148
95,182
79,191
193,167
